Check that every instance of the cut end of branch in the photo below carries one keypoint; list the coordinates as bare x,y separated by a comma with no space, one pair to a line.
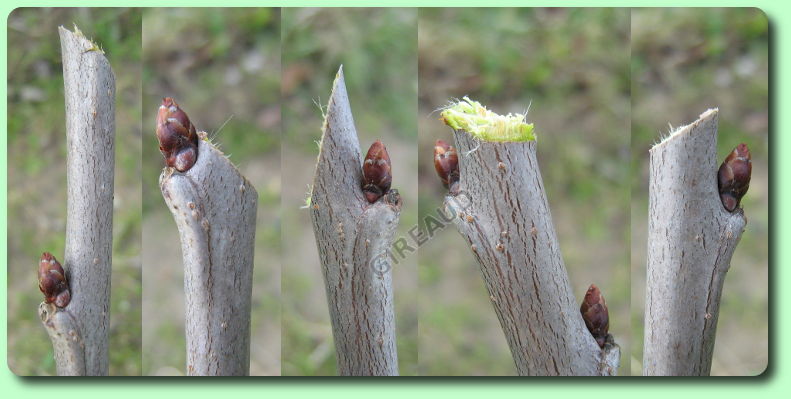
338,91
338,166
212,158
483,124
710,114
90,45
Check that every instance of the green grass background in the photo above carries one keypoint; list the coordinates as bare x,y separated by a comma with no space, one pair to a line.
377,47
37,176
223,67
571,68
685,61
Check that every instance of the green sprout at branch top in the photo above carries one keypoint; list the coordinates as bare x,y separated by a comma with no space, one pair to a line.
475,119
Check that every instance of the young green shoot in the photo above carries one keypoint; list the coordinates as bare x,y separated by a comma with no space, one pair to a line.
485,125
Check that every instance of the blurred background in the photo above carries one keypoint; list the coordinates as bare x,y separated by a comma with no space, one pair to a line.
685,61
223,68
37,176
571,68
377,47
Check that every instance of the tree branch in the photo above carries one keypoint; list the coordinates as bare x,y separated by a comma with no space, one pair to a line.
691,238
502,212
90,137
214,207
353,238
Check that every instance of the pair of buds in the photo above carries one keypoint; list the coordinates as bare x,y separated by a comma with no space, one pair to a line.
178,140
377,172
52,281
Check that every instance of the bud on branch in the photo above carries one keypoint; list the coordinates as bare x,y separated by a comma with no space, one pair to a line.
733,177
376,172
594,312
178,140
52,281
446,162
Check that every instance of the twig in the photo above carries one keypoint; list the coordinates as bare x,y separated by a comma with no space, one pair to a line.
214,207
691,239
502,212
353,238
90,137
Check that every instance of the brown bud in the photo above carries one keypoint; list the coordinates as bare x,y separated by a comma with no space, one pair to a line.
376,172
733,177
52,281
446,162
178,140
594,312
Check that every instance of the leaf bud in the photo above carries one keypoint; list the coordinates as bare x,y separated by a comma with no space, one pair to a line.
733,178
178,140
595,314
52,281
376,172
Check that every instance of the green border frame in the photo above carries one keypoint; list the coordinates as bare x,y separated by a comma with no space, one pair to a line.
776,380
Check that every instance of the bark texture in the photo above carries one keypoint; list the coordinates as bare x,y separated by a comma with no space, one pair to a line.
67,344
691,238
215,207
353,238
90,138
502,211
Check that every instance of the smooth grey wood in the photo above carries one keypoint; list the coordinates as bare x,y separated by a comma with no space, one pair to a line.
215,208
502,212
353,238
67,344
691,238
90,137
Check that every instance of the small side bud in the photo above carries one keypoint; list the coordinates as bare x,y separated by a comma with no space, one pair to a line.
594,312
733,178
178,140
376,172
446,162
52,281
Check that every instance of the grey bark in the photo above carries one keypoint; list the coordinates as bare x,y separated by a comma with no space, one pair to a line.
67,344
501,210
214,207
90,138
691,238
353,238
